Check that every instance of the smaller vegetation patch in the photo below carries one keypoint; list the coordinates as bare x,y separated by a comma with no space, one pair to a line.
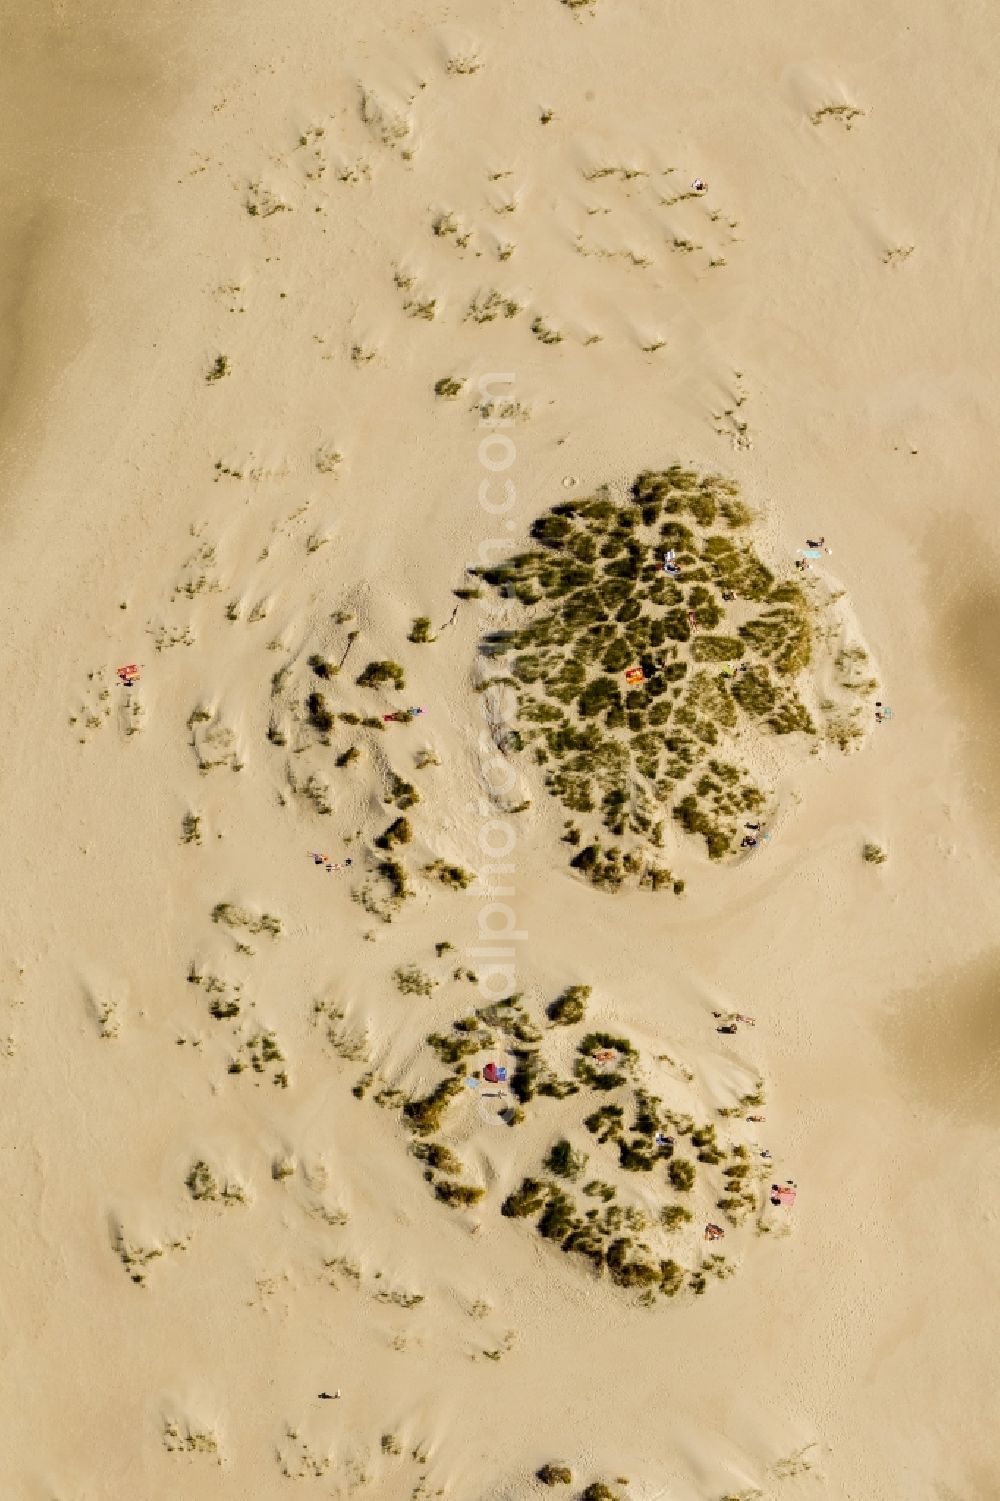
377,674
555,1474
570,1007
455,876
654,646
219,368
398,832
232,916
411,980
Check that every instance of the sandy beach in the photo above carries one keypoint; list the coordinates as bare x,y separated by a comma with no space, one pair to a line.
499,974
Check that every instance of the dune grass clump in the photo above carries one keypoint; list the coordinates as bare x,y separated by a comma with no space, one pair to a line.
604,1060
420,631
319,713
261,202
389,125
448,387
135,1259
681,1174
398,832
564,1161
526,1200
411,980
328,458
455,876
606,867
402,792
395,877
544,332
636,1130
842,114
653,637
554,1474
487,307
673,1216
201,1182
321,667
232,916
874,854
190,1440
224,1007
457,1195
191,829
439,1158
570,1007
377,674
425,1115
261,1050
219,368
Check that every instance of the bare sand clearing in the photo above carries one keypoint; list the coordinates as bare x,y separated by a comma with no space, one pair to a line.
305,314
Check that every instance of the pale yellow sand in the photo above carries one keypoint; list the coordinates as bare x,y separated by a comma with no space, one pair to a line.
858,1350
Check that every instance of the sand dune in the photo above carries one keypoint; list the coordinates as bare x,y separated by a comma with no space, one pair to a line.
434,928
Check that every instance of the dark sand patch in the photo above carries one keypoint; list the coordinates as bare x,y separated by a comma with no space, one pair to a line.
945,1038
82,91
965,612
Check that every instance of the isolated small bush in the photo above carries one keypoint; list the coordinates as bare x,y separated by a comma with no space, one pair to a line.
570,1007
555,1474
201,1182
